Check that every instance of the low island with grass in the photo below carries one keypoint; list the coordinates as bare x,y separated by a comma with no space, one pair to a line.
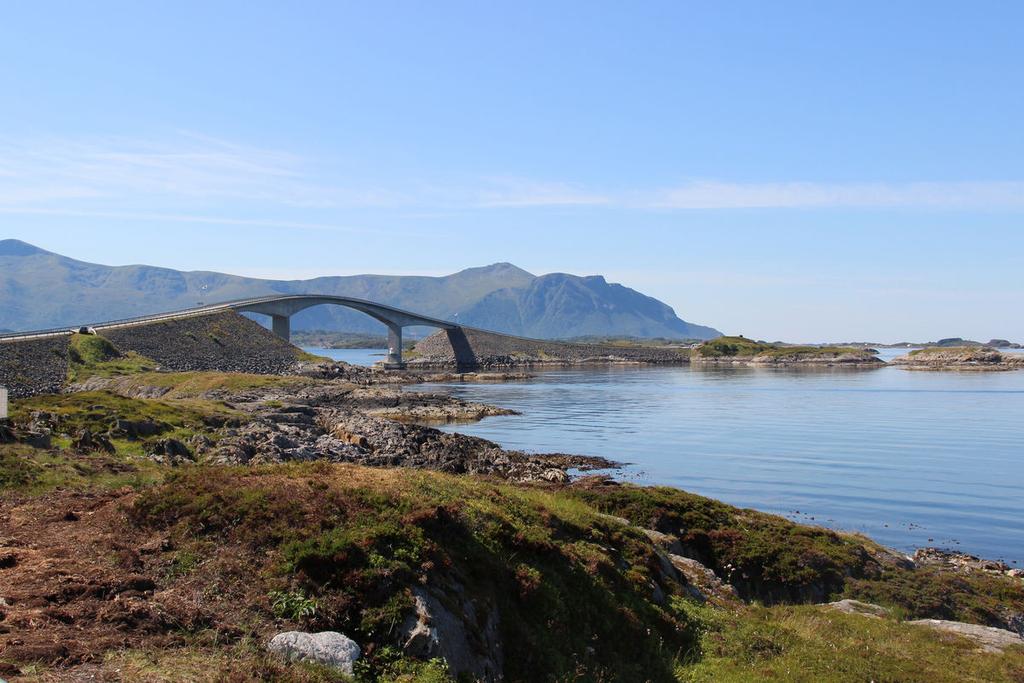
743,351
983,358
169,524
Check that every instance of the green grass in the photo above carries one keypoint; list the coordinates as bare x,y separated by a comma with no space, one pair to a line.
91,355
729,347
98,410
183,385
816,645
30,471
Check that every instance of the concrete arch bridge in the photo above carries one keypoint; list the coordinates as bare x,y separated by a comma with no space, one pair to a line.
281,308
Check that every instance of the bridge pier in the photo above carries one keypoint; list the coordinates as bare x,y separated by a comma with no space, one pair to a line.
282,325
393,361
282,307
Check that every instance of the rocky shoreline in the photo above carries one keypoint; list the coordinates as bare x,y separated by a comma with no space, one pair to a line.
302,420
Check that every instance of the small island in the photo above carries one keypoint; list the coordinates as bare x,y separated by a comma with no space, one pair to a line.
743,351
983,358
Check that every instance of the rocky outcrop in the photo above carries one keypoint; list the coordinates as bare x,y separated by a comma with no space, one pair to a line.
86,442
963,563
465,634
960,358
328,648
472,349
333,431
476,377
34,366
705,583
170,452
224,342
418,407
988,639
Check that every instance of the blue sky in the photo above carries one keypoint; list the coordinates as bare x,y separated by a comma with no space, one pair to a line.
796,170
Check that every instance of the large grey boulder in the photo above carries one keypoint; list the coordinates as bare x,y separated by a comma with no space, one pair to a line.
328,647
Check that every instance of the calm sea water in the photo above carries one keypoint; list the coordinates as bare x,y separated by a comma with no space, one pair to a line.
354,356
909,458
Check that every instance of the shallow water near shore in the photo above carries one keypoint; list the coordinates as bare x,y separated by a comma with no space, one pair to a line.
911,459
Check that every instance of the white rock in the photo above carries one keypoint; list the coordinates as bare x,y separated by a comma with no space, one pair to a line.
328,647
988,638
857,607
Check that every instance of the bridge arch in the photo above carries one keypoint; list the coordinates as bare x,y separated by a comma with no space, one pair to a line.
282,308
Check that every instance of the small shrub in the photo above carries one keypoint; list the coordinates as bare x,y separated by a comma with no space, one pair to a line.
292,605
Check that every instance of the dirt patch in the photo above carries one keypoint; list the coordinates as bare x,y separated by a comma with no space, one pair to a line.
74,584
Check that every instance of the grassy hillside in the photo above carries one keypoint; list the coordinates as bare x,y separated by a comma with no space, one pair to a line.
578,593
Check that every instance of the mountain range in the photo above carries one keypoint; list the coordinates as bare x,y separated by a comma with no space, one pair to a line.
40,289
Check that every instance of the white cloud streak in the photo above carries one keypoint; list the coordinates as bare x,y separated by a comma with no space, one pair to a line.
189,167
798,195
194,172
156,217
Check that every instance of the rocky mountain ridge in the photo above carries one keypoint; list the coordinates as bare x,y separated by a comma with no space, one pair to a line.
40,289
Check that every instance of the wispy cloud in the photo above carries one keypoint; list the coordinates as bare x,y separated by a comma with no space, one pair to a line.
188,166
181,177
794,195
159,217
